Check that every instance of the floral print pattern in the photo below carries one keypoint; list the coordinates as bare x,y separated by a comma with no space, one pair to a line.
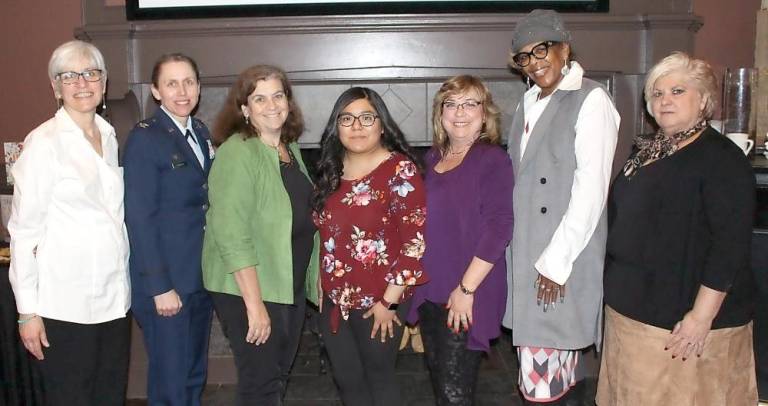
418,217
373,235
361,194
346,296
415,247
368,251
399,184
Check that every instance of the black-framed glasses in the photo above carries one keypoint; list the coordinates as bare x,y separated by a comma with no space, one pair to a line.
70,78
365,119
539,51
468,105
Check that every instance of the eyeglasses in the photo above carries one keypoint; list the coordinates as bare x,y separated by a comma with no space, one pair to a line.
365,119
540,51
70,78
469,105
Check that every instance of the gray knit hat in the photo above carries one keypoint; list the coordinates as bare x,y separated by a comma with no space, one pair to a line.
539,26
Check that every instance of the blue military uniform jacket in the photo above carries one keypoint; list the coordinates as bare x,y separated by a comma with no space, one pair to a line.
166,198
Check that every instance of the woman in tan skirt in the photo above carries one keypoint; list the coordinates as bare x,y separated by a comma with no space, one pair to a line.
678,296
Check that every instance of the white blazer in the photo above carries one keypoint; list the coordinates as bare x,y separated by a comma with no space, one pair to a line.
69,246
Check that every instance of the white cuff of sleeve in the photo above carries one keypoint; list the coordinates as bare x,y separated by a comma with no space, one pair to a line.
557,269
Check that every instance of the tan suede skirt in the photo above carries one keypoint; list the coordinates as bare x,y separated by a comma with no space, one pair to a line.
635,370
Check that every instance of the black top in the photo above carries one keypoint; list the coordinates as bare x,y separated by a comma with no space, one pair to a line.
678,223
303,228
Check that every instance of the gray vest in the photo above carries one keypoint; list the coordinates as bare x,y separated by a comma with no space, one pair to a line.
543,181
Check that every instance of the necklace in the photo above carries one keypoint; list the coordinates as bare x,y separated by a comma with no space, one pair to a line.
460,152
276,146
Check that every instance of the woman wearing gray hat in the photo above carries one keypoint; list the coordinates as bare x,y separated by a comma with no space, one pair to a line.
562,141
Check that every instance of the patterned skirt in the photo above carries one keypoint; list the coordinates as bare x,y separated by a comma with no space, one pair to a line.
546,374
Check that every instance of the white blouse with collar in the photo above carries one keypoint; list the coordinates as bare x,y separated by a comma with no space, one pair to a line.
597,128
69,246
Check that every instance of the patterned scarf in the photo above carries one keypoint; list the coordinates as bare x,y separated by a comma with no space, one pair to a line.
658,146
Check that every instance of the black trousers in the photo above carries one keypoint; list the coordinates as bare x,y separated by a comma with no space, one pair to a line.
86,364
453,368
263,370
363,368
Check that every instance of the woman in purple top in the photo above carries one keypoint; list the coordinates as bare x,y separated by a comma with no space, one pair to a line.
469,185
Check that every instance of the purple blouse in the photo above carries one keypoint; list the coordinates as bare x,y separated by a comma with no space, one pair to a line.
469,214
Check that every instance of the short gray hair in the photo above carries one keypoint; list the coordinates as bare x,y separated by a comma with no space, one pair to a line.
69,51
698,72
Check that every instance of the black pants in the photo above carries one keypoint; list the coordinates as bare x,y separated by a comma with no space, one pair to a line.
363,368
453,368
86,364
263,370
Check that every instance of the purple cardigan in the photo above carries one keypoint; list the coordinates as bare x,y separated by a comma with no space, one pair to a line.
469,214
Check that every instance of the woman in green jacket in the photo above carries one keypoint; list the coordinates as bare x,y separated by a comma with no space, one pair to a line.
260,252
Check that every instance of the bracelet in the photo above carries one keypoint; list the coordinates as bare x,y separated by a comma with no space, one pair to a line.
22,321
389,305
464,289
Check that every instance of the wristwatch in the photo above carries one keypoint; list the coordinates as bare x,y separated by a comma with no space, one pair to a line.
389,305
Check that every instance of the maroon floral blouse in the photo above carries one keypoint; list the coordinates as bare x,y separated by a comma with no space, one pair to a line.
372,231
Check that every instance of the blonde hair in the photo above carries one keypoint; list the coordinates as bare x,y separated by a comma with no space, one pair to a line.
459,85
697,72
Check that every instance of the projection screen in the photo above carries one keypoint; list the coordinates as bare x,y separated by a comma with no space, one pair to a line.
166,9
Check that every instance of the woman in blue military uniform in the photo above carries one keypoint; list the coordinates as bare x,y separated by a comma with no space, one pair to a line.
167,158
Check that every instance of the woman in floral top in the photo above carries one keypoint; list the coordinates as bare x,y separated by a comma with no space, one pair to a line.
369,206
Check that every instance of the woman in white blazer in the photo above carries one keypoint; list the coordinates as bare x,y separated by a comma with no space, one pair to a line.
69,246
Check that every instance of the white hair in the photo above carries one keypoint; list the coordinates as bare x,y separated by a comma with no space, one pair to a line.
67,52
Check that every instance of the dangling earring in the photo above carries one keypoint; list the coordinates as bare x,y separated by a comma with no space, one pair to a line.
246,119
528,81
565,69
103,104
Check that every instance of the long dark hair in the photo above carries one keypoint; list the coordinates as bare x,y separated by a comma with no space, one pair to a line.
330,166
230,119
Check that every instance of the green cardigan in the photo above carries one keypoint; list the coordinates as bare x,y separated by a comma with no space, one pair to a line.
249,222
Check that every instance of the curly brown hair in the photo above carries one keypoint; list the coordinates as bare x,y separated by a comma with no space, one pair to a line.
230,119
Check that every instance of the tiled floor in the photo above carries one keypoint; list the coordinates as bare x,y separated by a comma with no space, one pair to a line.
308,386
